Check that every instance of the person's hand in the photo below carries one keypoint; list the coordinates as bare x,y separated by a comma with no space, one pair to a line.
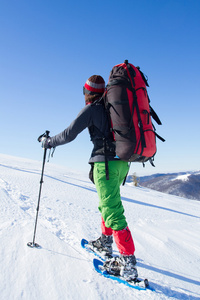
45,142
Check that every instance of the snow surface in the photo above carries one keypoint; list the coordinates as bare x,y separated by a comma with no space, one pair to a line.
165,229
182,177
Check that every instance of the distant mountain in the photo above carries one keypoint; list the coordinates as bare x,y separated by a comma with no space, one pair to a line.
183,184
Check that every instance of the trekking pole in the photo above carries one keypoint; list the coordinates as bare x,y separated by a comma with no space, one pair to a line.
33,244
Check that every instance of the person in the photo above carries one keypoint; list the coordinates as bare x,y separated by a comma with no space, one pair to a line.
108,173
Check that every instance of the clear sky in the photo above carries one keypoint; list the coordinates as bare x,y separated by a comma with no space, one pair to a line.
49,48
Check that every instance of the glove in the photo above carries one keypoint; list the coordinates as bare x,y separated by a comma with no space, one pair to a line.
45,141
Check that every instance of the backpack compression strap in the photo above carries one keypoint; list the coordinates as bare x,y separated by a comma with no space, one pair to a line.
132,74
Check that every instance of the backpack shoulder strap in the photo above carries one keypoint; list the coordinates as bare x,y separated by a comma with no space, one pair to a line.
102,102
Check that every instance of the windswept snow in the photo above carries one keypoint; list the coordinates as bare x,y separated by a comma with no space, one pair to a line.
165,229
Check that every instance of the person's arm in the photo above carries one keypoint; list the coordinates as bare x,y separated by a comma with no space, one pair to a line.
82,121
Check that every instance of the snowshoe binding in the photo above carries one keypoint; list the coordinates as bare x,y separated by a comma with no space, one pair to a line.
102,245
123,266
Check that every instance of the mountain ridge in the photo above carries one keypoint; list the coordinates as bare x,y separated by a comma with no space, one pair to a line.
183,184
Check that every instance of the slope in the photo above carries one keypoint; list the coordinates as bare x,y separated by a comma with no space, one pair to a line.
165,229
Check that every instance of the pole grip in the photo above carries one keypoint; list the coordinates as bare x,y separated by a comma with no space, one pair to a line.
46,134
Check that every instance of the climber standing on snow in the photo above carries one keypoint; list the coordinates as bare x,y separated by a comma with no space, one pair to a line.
113,224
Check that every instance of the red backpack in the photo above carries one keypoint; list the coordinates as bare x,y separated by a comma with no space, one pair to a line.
127,103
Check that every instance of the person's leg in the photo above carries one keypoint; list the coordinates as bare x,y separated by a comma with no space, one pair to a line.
124,241
111,208
105,230
110,204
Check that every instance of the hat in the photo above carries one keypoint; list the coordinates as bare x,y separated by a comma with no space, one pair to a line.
94,85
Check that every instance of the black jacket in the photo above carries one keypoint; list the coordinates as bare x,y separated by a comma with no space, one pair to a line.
94,117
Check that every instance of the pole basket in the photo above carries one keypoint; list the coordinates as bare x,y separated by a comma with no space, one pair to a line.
33,245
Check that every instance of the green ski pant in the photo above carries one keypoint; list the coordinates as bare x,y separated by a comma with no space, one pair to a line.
110,204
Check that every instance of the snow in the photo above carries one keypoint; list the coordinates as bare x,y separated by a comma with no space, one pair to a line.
182,177
165,229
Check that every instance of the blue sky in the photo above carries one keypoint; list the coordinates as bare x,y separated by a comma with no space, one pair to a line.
49,48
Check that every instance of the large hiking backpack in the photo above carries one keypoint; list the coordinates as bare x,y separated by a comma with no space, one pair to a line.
127,103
